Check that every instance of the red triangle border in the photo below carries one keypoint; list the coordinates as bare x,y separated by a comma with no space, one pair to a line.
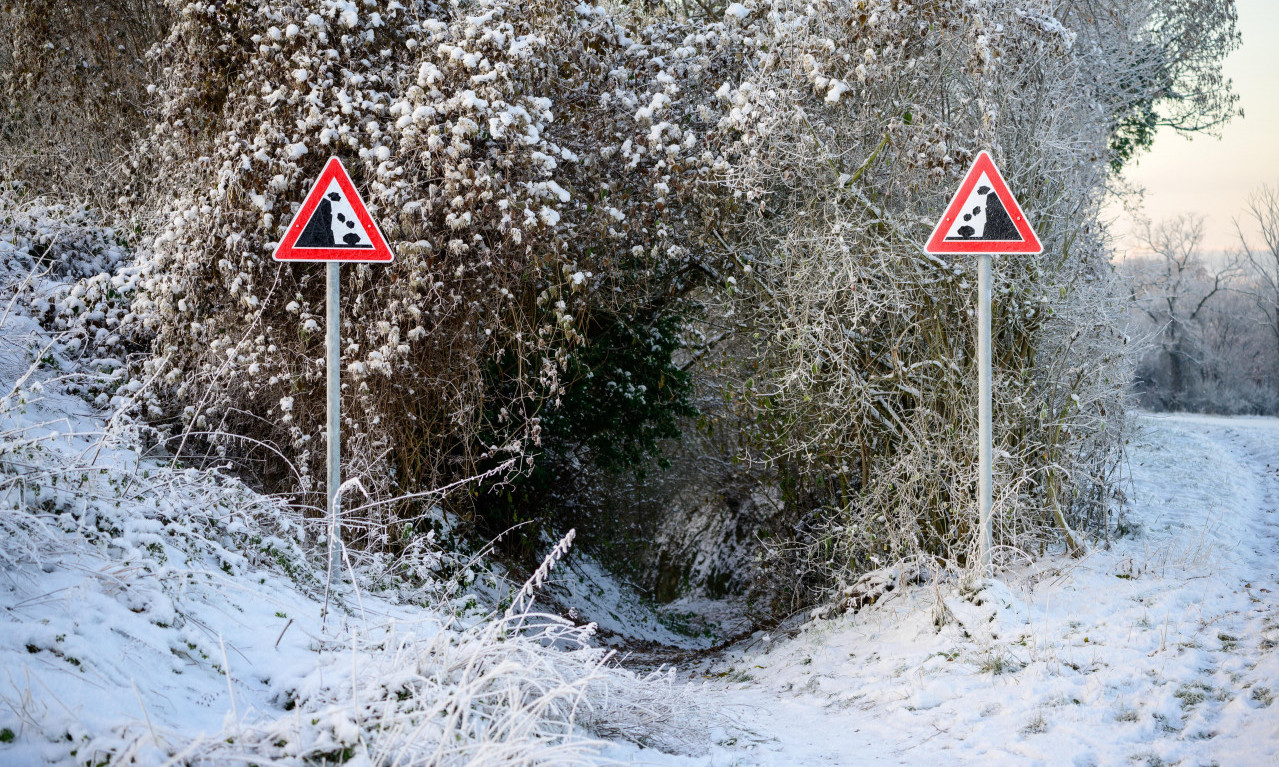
287,250
1029,244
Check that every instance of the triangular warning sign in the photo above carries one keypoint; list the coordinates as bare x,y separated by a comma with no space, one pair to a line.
984,217
333,224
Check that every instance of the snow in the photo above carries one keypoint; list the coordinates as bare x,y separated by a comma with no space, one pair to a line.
80,621
152,613
586,590
837,89
150,609
1157,650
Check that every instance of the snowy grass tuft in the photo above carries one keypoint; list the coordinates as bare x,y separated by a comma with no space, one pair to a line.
505,692
521,687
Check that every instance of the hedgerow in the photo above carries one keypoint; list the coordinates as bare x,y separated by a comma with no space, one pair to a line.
602,215
525,163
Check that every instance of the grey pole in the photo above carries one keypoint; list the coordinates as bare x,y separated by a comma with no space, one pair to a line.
333,370
984,492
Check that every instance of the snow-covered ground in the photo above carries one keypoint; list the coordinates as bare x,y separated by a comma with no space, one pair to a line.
153,614
121,614
125,602
1162,649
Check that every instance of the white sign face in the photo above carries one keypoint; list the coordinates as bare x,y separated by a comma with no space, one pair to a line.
334,224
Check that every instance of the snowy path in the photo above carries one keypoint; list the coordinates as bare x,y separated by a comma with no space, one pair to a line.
1160,650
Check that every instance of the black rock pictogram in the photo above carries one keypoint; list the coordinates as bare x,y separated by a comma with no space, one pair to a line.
998,226
319,230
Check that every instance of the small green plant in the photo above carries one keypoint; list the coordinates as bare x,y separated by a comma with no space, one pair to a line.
1035,726
1263,696
1166,724
1196,692
685,623
996,661
733,675
1192,694
337,756
1127,528
6,735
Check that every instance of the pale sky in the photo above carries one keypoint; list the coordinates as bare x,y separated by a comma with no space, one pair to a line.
1213,177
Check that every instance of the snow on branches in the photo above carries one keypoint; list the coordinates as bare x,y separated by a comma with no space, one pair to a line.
857,372
531,165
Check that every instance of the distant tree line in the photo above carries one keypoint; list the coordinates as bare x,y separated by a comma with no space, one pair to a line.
1211,322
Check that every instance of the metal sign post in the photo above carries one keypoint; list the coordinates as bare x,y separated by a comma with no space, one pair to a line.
982,219
985,493
333,372
333,225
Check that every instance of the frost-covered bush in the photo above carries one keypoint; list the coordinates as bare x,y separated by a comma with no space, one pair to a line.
562,182
531,164
73,98
1164,60
55,240
855,122
74,271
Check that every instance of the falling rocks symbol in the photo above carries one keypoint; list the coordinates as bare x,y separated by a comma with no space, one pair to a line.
999,225
333,224
983,217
